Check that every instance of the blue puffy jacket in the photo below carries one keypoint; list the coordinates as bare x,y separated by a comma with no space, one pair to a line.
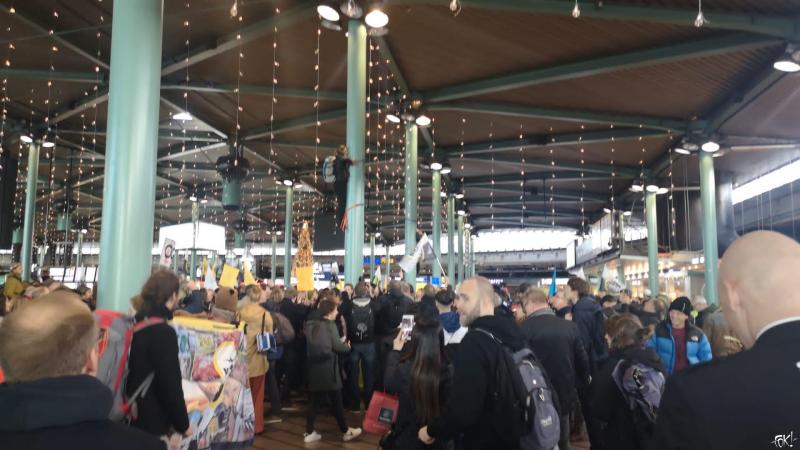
697,347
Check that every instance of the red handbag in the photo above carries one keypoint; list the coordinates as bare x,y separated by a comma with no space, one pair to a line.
382,413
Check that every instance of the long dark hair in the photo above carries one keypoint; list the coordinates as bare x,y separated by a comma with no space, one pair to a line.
428,362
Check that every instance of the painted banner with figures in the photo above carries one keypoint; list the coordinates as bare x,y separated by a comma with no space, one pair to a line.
216,386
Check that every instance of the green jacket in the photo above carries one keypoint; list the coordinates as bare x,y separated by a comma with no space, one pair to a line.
14,286
323,375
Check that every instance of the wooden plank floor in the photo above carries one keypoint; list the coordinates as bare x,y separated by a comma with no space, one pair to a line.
289,434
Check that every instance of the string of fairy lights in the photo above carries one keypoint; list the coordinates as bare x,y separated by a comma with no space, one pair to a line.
271,137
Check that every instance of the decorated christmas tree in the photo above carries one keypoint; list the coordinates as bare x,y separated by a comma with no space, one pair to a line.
304,261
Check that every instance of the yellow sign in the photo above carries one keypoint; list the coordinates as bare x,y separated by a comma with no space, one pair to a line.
305,278
229,276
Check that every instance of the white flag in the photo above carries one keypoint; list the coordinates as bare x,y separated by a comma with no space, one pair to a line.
211,280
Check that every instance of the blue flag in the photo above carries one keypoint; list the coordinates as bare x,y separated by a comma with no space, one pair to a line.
553,284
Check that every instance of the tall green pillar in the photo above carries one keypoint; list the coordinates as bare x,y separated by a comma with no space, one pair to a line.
451,246
30,211
274,260
461,276
195,225
356,133
437,222
126,237
708,200
287,239
411,197
652,241
371,255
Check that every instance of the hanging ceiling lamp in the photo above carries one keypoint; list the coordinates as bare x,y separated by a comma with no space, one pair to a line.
377,18
328,13
788,62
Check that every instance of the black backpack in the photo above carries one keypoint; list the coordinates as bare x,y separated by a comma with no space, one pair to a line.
362,324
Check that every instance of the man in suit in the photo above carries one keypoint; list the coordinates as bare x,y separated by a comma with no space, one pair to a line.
749,400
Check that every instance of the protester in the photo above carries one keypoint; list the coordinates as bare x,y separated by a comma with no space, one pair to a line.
626,304
323,374
295,351
257,320
391,308
253,297
452,329
361,333
154,350
341,170
14,285
609,304
561,306
648,314
86,295
51,398
427,302
421,376
747,400
678,342
470,408
225,306
624,428
558,346
588,316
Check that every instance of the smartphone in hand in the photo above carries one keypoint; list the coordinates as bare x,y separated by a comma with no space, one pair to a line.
406,325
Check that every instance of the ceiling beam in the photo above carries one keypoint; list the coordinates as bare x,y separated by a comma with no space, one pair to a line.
566,115
72,77
295,123
164,155
248,89
620,171
772,25
79,106
178,109
607,64
55,36
304,10
558,194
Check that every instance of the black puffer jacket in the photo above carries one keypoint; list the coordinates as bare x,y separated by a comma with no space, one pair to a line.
398,381
155,350
65,413
588,316
469,409
608,404
391,309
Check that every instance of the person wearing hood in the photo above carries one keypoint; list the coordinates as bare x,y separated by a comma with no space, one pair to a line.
51,398
558,346
470,408
679,343
626,337
14,285
360,319
452,329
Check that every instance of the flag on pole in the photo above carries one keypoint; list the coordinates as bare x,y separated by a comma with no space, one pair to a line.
249,280
211,280
553,285
376,278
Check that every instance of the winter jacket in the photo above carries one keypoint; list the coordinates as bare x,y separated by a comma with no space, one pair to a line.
391,309
14,286
648,319
295,312
609,406
469,408
65,413
720,336
398,381
353,333
588,316
254,317
324,374
697,346
154,349
194,303
558,346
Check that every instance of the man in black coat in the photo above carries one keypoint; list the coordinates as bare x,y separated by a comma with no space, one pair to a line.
389,314
749,400
51,400
557,344
470,409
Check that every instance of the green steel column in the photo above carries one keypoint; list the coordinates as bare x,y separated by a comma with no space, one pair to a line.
461,276
708,200
79,259
451,246
195,225
652,241
437,222
30,209
371,255
274,260
287,239
356,133
411,196
126,238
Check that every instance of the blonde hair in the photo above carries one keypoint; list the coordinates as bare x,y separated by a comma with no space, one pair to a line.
51,336
255,294
533,295
277,294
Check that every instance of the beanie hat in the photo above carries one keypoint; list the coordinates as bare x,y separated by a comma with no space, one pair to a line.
682,304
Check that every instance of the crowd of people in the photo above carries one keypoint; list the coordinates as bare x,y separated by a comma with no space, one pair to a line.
628,373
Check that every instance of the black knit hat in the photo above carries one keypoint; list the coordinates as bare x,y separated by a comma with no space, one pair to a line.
682,304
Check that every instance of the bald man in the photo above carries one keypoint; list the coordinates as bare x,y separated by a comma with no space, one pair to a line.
750,400
48,350
469,408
